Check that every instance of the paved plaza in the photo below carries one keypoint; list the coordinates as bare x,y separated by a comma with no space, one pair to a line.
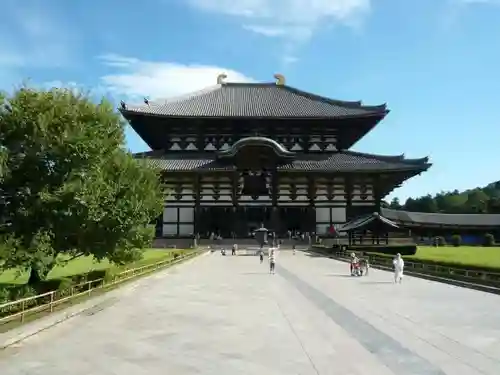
229,316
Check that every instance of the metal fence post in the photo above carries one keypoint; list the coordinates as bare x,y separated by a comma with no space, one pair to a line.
51,304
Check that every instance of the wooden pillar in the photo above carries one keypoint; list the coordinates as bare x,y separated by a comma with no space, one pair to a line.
275,214
377,194
200,137
274,187
197,208
311,196
348,197
235,217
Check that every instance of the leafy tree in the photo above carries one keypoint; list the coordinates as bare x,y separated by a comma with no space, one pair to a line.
395,204
478,200
68,186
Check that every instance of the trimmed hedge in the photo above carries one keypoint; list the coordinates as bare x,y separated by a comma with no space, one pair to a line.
385,250
391,250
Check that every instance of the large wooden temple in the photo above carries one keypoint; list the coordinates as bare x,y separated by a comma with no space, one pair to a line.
238,155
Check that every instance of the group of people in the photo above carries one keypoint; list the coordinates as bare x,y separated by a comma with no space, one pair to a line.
398,266
355,263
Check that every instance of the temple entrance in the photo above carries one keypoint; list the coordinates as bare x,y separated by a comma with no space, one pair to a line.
216,220
252,218
297,219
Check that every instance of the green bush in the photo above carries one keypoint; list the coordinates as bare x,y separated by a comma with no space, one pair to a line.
4,294
386,250
439,241
52,285
489,240
15,292
456,240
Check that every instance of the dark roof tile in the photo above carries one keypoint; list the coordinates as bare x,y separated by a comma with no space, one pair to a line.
364,220
254,100
346,161
423,218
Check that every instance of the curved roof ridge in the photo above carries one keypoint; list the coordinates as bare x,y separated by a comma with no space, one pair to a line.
398,158
280,149
351,104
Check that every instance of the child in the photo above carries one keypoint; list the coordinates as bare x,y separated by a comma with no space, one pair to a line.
272,261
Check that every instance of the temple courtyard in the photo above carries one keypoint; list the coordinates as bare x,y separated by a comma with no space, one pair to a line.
228,315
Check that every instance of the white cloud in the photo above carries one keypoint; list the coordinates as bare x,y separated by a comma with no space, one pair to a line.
135,79
295,19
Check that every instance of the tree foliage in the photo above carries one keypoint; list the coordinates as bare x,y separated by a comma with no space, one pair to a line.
478,200
67,184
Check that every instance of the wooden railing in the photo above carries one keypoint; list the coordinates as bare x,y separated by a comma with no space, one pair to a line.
472,276
19,309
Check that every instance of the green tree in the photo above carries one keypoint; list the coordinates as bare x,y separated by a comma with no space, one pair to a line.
395,204
67,184
479,200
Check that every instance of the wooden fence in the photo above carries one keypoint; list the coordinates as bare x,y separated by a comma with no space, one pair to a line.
19,309
472,276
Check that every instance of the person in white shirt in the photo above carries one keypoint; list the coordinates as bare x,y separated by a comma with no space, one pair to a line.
399,265
272,260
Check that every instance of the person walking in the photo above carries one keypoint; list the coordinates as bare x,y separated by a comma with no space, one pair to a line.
399,265
261,256
272,260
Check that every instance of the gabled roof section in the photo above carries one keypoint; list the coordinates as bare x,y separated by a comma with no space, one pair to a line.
365,221
254,100
456,220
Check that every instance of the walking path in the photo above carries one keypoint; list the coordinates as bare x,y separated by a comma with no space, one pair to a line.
227,315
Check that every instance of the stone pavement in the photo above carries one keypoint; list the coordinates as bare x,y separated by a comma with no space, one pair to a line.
227,316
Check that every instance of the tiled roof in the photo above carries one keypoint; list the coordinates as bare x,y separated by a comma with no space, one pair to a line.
363,221
346,161
254,100
423,218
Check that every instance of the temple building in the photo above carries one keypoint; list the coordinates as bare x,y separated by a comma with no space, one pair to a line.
238,155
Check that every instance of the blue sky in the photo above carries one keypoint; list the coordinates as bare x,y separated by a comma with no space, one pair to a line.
435,62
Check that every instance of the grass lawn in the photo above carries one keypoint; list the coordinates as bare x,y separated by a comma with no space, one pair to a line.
468,255
87,264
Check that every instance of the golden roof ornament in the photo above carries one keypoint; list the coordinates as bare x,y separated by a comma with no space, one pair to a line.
280,79
221,78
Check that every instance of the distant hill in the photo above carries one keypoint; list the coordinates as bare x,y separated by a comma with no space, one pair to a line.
479,200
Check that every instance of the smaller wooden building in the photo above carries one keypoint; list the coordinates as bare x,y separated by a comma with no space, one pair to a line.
424,226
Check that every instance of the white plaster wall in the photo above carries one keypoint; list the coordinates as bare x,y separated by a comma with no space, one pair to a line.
323,214
339,214
169,229
186,214
186,229
169,214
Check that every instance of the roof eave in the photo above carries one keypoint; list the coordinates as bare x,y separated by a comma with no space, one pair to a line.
125,113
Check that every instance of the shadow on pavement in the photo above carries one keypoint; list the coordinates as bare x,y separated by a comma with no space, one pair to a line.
317,255
340,275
